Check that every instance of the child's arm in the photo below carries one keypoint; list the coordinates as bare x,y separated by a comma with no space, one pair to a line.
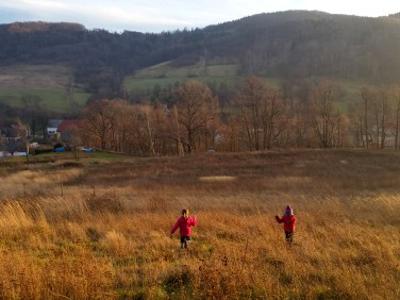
294,221
193,221
279,220
175,227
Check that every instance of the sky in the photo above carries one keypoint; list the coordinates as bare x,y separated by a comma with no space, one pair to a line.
163,15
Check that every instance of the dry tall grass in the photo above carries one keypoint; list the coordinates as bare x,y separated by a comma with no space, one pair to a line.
102,232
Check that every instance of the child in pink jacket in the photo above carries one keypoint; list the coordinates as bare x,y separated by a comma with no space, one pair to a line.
185,224
289,223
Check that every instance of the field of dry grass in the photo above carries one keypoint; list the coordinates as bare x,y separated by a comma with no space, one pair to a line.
100,229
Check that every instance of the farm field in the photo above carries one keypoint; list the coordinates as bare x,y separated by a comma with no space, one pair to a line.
45,86
166,74
98,228
41,86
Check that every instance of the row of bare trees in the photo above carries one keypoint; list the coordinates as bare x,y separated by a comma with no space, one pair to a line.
190,125
258,118
376,119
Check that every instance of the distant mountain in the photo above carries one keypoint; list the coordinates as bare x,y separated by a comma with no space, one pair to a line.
288,44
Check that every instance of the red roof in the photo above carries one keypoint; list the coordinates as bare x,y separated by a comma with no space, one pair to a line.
68,125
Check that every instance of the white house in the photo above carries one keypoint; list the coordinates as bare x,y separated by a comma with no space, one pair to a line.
52,126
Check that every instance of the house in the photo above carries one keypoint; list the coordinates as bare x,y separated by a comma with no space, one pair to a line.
13,139
13,147
4,154
13,133
3,149
52,126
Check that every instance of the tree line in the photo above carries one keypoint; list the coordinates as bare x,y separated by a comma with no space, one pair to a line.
258,117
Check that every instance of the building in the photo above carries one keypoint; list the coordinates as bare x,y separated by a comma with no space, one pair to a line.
13,139
52,126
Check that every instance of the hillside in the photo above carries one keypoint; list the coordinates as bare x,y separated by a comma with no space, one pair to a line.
280,46
47,87
150,81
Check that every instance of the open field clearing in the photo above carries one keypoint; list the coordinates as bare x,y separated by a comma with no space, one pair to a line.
54,100
98,228
42,86
41,76
166,74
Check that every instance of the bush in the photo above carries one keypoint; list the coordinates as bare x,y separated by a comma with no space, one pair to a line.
177,281
107,202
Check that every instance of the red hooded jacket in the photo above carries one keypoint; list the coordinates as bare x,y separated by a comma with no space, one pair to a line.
184,225
289,222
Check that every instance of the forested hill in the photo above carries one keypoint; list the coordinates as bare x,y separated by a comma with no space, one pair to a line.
285,45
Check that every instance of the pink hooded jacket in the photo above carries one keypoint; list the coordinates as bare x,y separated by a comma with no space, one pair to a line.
289,220
184,225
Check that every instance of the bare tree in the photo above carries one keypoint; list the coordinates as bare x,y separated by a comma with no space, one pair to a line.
263,115
356,115
366,96
325,118
195,108
96,122
383,118
250,100
177,132
272,109
397,117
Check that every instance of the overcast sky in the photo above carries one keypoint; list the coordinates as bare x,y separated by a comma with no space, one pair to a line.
159,15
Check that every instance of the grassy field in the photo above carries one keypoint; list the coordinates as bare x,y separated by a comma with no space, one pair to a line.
52,157
166,74
99,228
46,82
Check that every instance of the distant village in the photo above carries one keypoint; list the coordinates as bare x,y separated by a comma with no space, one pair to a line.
16,138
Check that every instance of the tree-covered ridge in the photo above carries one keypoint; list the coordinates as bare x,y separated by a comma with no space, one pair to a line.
44,26
288,45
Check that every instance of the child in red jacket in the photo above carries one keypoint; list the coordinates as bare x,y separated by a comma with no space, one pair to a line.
184,223
289,223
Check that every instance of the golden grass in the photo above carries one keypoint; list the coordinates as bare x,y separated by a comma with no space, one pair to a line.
217,178
105,233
